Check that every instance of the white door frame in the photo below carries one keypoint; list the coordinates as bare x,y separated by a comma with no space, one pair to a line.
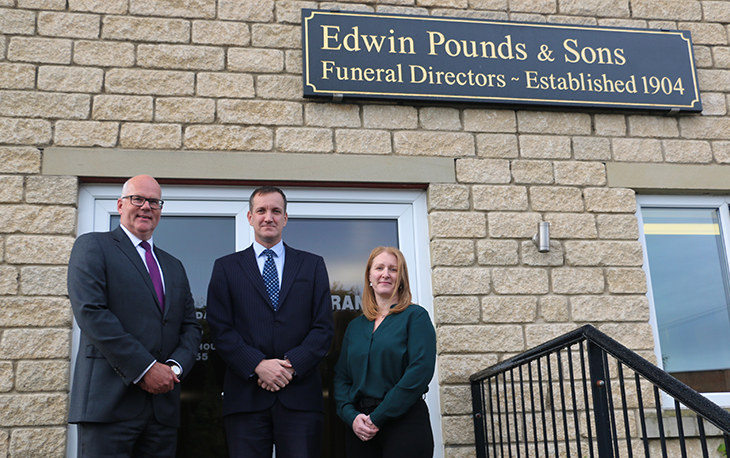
97,203
667,201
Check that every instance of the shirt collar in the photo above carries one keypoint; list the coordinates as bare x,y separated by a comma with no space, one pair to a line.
278,249
136,240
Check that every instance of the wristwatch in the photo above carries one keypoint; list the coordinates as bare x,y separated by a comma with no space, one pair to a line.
175,369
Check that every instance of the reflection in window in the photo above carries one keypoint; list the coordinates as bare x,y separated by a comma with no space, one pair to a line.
345,244
689,279
197,241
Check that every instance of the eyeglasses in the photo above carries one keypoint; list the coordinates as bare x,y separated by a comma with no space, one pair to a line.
138,201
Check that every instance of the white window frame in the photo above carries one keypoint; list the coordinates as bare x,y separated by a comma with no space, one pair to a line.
97,202
668,201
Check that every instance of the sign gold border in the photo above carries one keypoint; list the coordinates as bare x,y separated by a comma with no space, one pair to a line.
537,101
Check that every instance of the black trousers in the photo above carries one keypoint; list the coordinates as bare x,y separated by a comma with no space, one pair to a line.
408,436
295,433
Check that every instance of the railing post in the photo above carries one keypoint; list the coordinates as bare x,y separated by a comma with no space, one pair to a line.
599,372
477,399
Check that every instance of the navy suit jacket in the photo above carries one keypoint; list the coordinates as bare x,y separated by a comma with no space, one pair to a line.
246,329
123,329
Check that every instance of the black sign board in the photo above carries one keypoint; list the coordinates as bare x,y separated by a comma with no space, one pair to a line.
365,55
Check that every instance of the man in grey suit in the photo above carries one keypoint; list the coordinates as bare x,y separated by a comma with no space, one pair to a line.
139,335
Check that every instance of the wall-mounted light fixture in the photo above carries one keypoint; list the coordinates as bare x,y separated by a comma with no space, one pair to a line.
542,238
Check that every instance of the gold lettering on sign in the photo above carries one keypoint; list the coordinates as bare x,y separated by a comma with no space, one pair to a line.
580,82
388,75
590,55
485,49
327,37
351,41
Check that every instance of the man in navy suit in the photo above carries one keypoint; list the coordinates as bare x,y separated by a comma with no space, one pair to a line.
270,316
139,335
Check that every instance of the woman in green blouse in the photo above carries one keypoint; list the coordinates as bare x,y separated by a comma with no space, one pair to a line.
386,363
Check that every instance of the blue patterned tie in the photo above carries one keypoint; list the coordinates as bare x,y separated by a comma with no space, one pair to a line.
271,278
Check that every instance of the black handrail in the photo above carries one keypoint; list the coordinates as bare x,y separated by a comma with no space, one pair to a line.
606,419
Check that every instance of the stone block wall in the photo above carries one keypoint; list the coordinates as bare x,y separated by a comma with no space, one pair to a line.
225,75
37,226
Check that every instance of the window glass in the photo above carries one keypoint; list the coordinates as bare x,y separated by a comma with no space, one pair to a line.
200,224
345,244
197,241
689,281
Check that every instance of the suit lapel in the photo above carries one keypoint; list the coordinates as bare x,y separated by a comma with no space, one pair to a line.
126,246
292,263
250,268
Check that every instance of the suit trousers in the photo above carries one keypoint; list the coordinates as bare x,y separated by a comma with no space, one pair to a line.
295,433
139,437
408,436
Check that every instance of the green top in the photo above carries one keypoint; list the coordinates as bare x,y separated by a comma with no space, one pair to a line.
395,363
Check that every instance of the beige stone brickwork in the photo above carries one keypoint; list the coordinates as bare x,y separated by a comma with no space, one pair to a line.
497,145
497,252
225,75
47,442
532,172
104,54
6,376
363,142
450,253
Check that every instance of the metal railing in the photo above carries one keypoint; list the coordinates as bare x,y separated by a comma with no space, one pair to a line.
585,395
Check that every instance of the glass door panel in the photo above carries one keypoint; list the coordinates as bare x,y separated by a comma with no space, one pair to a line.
200,224
197,241
689,281
345,244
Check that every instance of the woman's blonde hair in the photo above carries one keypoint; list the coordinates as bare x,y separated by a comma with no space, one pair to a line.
402,290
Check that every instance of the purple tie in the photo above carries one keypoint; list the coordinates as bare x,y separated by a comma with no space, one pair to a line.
154,273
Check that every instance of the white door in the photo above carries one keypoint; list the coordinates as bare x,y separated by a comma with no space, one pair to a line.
200,224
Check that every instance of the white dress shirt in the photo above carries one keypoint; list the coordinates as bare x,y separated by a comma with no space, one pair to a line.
142,253
279,253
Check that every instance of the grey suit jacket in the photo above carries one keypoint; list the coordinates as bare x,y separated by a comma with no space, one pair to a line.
123,329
